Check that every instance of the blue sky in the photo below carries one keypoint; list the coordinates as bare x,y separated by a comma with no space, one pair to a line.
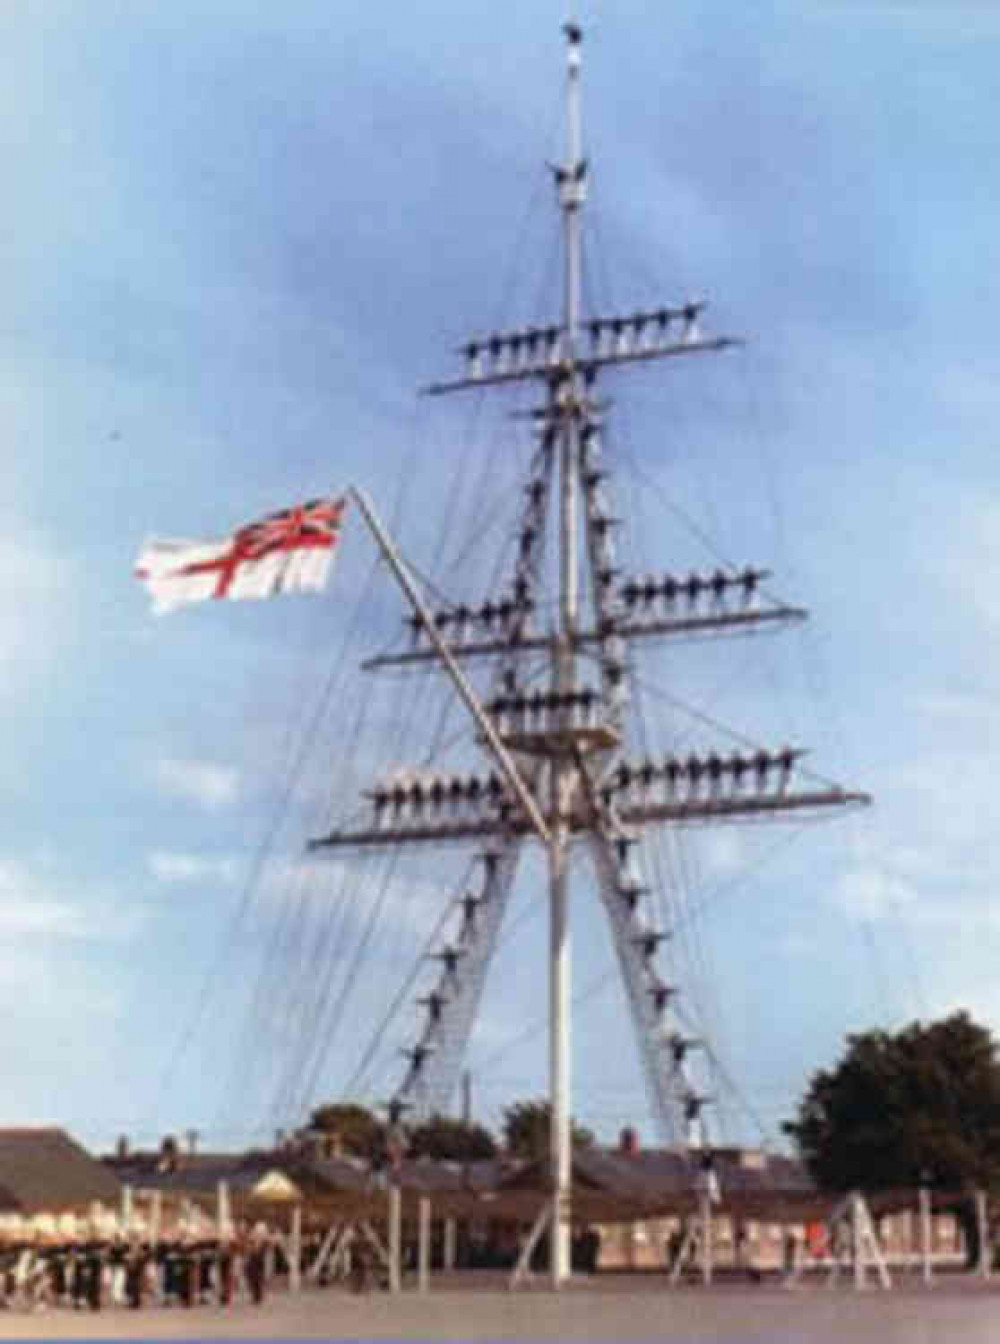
236,239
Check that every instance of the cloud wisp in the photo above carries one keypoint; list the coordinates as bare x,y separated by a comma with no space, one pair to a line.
184,869
206,784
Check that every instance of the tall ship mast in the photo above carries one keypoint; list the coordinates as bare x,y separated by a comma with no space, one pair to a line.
548,683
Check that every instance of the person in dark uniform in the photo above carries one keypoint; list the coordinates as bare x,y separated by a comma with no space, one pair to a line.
171,1272
135,1269
361,1267
180,1268
185,1270
225,1270
790,1257
576,1250
57,1272
205,1262
674,1248
93,1266
74,1273
6,1274
256,1265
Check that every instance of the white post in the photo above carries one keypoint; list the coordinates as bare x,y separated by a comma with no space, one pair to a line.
339,1251
223,1213
559,1047
685,1251
983,1227
395,1240
572,193
295,1252
424,1244
925,1235
522,1269
866,1244
705,1200
372,1237
126,1214
450,1243
857,1247
325,1247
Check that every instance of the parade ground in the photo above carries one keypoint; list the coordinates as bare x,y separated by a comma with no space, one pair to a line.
958,1309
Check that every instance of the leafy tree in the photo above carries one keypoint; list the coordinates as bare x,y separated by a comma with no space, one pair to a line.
526,1127
918,1105
451,1140
360,1132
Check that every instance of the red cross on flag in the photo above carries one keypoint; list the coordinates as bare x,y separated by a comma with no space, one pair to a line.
289,551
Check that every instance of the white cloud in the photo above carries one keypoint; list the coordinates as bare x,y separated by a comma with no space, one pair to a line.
967,557
35,901
205,783
31,904
935,888
167,866
872,893
26,910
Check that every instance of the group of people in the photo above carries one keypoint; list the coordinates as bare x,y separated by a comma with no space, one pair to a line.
132,1273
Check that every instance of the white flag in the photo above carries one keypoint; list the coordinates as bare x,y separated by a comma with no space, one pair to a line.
290,551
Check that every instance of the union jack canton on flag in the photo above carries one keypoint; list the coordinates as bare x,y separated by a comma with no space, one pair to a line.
289,551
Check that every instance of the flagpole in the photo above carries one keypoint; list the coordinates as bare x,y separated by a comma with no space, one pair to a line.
468,695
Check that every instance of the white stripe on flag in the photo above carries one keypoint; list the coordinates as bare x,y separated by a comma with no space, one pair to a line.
180,572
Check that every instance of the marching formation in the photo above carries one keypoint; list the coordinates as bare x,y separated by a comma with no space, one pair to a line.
128,1272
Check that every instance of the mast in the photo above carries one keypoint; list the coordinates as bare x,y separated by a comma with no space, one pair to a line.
566,396
563,775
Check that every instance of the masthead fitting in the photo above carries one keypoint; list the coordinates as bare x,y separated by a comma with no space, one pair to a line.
574,37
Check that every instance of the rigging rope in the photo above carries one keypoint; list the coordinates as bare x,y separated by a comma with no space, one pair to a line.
374,1045
213,977
261,1004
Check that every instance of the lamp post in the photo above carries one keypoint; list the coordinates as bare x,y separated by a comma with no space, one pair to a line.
924,1195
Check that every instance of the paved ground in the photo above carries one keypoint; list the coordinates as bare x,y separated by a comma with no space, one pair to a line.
952,1312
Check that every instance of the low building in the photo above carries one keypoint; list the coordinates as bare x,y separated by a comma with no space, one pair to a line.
50,1184
641,1203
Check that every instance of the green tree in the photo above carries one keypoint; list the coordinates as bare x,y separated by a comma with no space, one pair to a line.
360,1132
451,1140
921,1104
526,1126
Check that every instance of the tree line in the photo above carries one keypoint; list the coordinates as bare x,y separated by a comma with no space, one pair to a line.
361,1133
918,1106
